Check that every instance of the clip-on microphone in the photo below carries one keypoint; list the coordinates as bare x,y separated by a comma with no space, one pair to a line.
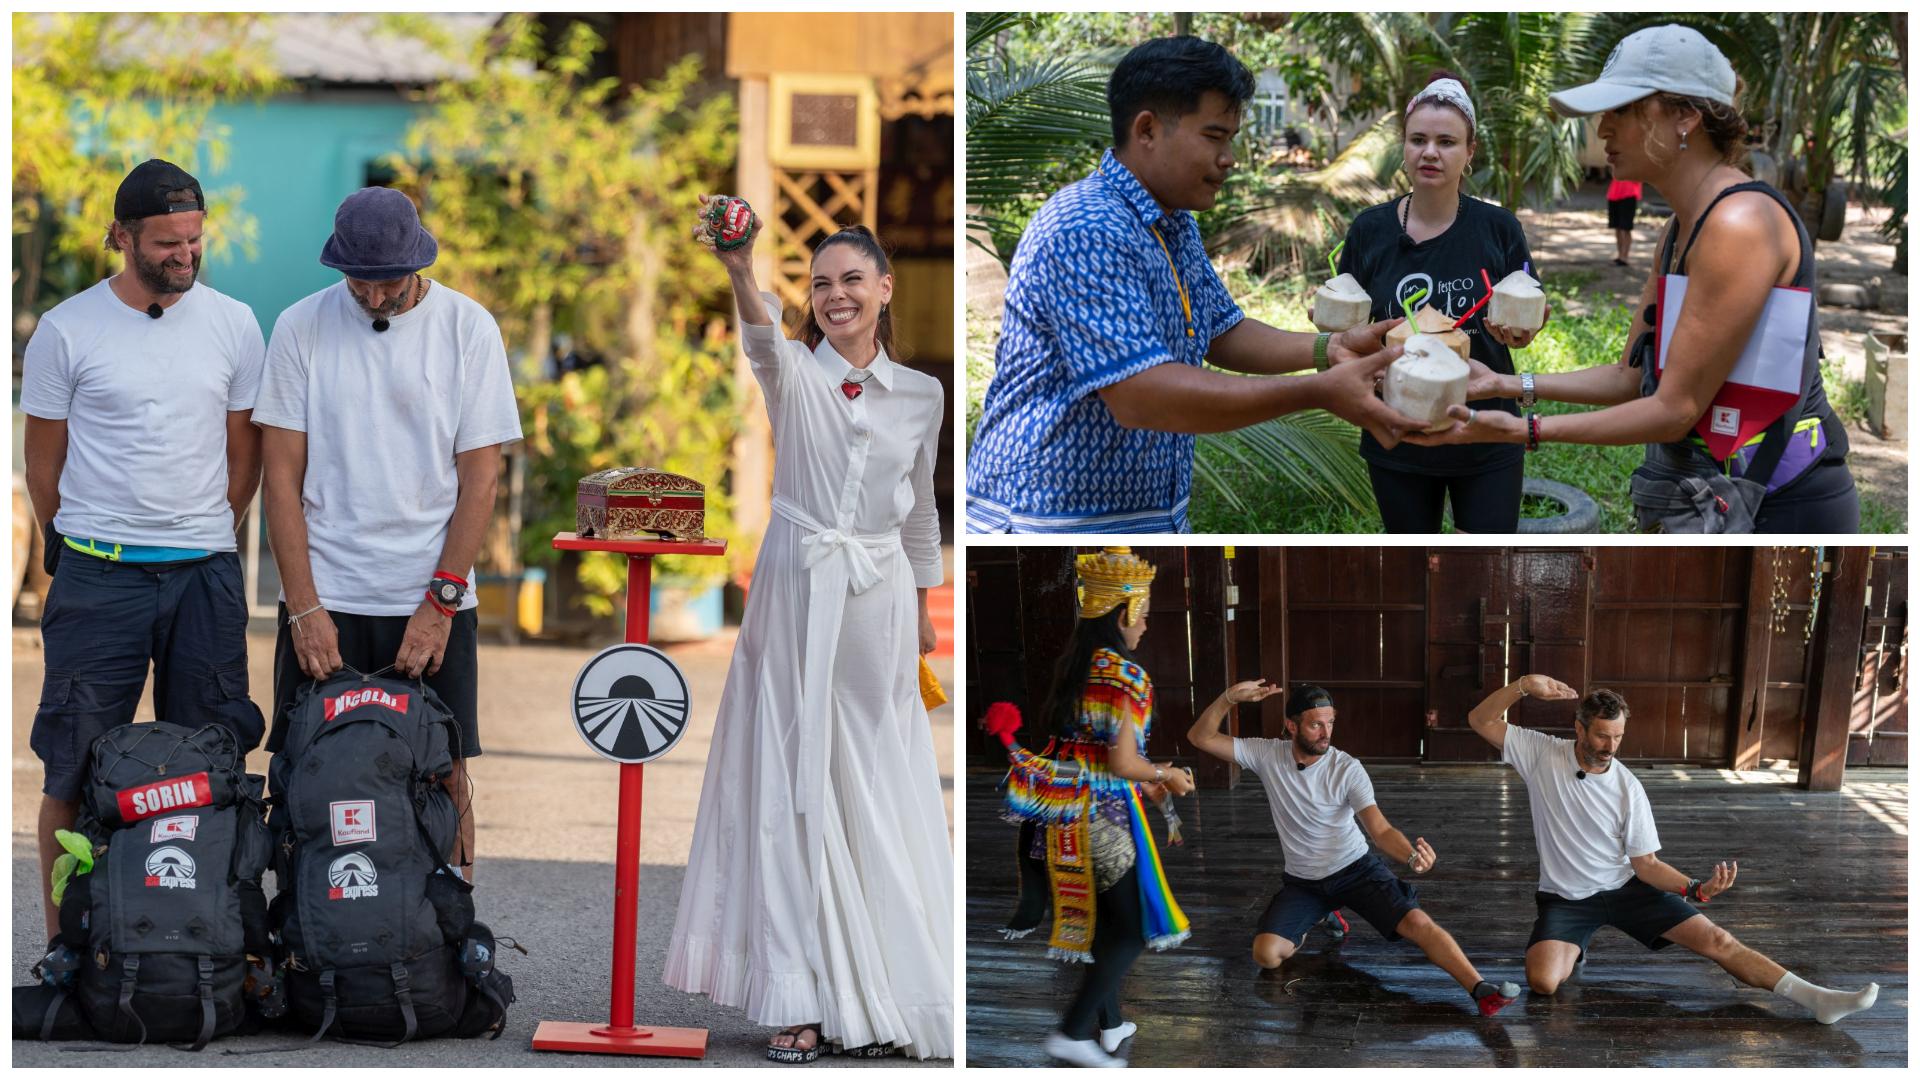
154,311
380,326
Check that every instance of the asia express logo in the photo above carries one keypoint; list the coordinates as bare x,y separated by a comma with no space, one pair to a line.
351,877
169,868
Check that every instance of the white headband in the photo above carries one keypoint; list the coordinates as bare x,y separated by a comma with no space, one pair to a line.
1451,92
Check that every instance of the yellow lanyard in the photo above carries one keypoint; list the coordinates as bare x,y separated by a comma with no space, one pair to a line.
1177,283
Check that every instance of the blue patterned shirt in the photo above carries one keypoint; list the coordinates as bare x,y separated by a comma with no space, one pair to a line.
1092,301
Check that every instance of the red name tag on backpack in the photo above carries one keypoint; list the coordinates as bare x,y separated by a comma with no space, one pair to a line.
163,795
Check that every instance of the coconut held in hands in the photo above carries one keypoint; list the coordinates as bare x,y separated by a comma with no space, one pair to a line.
1426,379
1430,322
1341,304
1518,303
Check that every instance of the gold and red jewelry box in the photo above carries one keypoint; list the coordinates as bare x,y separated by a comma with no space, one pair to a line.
638,502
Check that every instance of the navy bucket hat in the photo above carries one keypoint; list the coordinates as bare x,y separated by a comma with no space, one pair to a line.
377,236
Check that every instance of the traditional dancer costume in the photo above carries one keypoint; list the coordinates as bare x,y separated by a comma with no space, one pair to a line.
1109,892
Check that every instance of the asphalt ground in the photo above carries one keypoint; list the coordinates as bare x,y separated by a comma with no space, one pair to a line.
546,810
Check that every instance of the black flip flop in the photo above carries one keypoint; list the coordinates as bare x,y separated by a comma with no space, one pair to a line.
794,1055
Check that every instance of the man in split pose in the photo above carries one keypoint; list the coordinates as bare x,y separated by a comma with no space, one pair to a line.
1317,795
1598,854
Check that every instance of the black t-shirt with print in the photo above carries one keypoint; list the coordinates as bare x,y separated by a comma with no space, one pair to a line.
1390,266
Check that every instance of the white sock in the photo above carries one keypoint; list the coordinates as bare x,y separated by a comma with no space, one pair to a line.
1827,1005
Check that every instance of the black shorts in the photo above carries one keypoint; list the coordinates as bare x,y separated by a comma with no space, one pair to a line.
106,622
369,643
1636,909
1620,213
1366,885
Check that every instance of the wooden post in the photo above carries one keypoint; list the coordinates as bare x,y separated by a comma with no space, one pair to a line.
753,445
1823,738
1749,712
1273,636
1212,657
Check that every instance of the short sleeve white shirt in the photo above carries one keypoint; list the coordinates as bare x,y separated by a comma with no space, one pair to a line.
384,415
1313,808
1587,830
146,403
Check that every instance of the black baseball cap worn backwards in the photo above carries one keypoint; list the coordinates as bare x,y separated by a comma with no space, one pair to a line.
143,194
1307,696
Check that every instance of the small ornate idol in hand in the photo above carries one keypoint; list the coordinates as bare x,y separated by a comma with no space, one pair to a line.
730,223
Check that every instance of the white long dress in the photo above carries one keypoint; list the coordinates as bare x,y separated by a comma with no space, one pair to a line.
820,885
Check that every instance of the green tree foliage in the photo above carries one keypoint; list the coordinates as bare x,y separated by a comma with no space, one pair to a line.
564,203
96,94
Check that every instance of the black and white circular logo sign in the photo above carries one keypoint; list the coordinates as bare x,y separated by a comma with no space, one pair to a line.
630,703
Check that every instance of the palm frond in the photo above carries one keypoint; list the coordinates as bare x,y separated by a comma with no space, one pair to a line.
1314,451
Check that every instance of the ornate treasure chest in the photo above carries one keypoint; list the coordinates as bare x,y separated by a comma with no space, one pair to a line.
640,503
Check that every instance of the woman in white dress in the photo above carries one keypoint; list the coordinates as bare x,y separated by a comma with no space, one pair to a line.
819,890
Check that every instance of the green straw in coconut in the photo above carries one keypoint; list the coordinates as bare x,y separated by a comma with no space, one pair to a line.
1411,302
1333,259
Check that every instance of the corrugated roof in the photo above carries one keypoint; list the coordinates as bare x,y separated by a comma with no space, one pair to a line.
354,48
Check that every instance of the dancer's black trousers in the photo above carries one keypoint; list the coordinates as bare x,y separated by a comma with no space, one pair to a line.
1117,942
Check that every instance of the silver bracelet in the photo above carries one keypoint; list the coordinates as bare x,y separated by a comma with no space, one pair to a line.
292,619
1159,774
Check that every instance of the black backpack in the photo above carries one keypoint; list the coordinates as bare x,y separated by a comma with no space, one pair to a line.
376,932
154,940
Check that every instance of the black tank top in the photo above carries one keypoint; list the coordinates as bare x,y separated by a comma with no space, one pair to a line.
1688,455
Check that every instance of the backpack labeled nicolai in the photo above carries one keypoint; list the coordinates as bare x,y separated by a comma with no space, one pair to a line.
375,930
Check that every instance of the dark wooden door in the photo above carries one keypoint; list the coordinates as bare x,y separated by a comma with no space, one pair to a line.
1494,615
1668,626
1877,731
1354,625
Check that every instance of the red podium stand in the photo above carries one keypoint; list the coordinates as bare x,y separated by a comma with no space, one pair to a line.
619,1035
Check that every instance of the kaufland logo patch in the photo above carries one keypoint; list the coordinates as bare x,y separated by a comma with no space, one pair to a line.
1726,420
351,877
353,822
169,868
139,803
372,695
174,828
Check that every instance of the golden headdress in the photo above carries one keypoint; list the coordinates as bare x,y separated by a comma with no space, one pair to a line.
1111,578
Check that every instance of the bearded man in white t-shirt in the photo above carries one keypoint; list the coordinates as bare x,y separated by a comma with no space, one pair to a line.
1321,799
1599,861
140,462
385,403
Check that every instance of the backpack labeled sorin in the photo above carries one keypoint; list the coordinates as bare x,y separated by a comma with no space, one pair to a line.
159,914
375,930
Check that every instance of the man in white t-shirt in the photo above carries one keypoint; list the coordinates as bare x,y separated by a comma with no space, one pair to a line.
1321,799
140,462
1598,854
385,403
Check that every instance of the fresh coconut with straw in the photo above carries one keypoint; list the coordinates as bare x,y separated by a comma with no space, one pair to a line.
1341,303
1518,303
1425,320
1425,381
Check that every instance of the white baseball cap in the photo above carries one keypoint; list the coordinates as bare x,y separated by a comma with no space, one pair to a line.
1660,59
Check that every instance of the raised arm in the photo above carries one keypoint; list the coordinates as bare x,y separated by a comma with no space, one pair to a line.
1205,734
739,266
1489,718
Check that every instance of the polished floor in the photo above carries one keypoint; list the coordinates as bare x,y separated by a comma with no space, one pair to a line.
1822,889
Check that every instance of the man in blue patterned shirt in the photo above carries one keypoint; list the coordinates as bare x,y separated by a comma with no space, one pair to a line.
1111,307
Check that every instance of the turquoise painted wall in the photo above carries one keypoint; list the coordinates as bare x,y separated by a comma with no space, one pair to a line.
297,157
